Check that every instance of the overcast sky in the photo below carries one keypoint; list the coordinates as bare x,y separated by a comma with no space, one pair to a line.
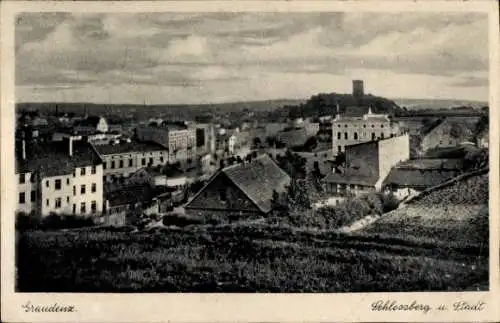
216,57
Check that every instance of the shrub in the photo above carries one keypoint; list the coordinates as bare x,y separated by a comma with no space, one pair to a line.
180,220
389,202
25,222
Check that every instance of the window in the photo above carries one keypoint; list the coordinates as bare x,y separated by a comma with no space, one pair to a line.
22,198
355,136
67,181
112,164
74,172
94,187
345,126
381,126
82,171
47,183
74,190
151,161
222,195
161,159
22,178
339,135
82,189
33,196
373,135
32,178
104,165
130,163
93,207
93,170
451,142
67,199
120,163
47,202
57,184
74,208
58,203
346,135
340,149
364,126
82,208
143,161
382,135
373,126
440,142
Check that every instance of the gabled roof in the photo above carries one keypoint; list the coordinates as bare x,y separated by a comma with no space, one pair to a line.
53,159
257,180
128,147
458,130
418,178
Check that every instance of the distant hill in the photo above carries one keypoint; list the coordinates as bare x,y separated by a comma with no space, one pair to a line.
323,104
173,111
424,104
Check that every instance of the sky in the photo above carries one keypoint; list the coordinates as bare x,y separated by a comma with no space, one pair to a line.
168,58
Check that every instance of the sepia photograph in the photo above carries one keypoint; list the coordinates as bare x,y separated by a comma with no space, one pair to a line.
252,151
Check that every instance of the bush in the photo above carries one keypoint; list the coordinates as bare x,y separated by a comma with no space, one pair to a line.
180,220
25,222
389,202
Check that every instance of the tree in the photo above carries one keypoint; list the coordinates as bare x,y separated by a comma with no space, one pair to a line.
298,195
257,143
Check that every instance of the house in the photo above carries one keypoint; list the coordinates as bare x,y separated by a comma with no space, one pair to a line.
242,188
59,177
179,139
91,124
292,137
414,176
121,158
449,133
350,128
367,165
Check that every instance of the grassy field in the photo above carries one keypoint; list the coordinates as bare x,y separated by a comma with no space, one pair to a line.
252,258
438,242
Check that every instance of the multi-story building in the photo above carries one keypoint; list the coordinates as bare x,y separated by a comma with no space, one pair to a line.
180,140
205,138
122,158
448,133
352,130
59,177
367,165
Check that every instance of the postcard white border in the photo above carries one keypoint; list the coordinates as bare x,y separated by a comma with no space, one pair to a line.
235,307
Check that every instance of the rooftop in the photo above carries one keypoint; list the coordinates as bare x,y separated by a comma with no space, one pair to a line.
354,179
128,147
52,158
418,178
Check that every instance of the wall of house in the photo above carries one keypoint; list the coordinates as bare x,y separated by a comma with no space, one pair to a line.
363,160
358,131
78,180
139,160
210,197
49,194
391,152
322,157
27,187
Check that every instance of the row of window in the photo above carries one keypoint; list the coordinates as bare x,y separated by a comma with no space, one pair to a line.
58,202
121,163
364,126
22,177
83,190
83,171
356,137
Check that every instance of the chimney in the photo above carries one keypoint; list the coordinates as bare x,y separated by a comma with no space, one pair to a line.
23,149
70,140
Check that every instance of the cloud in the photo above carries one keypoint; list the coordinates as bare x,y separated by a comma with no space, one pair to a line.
196,49
471,81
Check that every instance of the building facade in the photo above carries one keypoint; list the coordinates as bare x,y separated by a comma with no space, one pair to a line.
367,165
348,131
62,178
447,134
125,157
179,140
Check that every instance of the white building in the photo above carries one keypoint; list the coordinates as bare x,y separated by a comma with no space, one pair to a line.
352,130
63,178
92,124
